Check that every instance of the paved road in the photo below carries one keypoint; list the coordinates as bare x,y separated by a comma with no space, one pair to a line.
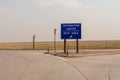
34,65
106,67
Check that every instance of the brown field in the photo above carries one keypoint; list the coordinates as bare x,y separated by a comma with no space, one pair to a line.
70,45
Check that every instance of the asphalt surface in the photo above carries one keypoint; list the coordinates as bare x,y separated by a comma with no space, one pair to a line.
34,65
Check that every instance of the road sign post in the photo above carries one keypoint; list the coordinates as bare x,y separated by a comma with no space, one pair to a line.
33,42
54,40
77,46
64,45
71,31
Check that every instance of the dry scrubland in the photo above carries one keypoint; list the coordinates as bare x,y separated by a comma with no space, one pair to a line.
70,45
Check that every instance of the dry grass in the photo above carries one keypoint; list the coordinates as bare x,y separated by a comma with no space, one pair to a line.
70,45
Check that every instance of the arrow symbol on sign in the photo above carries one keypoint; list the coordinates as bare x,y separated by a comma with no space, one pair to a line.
71,36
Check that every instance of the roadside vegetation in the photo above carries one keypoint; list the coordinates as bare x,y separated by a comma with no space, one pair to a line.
71,45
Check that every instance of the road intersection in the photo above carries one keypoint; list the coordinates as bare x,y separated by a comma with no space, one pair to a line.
34,65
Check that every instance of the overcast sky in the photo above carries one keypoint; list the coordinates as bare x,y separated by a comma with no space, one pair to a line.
21,19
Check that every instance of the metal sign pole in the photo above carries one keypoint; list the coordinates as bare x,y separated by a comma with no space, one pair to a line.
54,40
64,45
77,46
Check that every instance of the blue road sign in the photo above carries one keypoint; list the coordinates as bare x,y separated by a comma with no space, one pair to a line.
71,31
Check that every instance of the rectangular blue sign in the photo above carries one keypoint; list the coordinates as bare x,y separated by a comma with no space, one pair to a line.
71,31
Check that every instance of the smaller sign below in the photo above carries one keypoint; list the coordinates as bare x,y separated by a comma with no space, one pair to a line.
71,31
